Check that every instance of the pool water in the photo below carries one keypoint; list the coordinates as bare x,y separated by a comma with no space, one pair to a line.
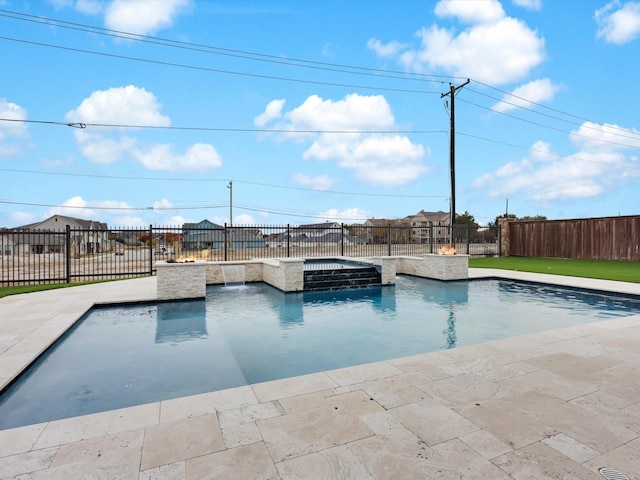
129,355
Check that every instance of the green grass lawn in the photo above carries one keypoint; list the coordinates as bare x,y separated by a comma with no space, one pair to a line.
601,269
4,291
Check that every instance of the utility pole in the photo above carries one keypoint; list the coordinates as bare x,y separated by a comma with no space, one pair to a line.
230,187
452,150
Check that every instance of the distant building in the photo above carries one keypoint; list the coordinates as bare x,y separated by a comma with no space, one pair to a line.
438,221
49,236
423,227
315,234
209,235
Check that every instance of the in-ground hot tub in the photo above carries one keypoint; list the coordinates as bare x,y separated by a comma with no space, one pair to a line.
336,273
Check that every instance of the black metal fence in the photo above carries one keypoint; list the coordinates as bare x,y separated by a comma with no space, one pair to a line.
77,255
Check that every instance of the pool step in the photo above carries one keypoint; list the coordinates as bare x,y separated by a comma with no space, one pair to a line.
332,279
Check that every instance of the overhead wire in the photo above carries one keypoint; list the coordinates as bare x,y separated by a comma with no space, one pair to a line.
625,133
297,62
216,180
294,62
291,61
84,125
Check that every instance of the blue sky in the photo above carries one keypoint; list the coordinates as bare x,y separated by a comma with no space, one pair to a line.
139,112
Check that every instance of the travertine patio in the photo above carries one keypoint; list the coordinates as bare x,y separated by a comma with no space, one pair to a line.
558,404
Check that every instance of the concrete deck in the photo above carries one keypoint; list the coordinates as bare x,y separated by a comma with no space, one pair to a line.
558,404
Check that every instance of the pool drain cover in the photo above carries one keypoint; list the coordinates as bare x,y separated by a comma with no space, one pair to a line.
611,474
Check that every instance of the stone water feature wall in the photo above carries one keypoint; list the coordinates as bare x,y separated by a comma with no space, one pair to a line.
181,281
439,267
189,280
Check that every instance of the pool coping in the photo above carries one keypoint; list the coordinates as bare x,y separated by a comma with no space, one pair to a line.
245,416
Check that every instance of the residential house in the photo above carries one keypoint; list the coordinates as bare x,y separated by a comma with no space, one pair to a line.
49,236
208,235
382,231
314,235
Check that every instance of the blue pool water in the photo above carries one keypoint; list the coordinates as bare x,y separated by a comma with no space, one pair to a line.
128,355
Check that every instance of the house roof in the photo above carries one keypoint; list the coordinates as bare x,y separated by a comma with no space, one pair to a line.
424,217
201,224
65,220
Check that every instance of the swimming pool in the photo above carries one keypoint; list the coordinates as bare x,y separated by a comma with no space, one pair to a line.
117,357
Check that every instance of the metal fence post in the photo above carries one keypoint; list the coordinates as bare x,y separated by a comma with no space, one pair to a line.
225,242
468,227
389,241
288,238
342,239
150,249
430,237
68,254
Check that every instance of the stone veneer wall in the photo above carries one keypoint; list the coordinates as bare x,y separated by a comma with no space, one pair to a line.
252,271
388,269
287,274
440,267
180,281
190,280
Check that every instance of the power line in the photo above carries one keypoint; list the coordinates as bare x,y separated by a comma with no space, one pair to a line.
83,125
548,127
312,190
244,54
89,207
546,152
280,212
296,62
626,133
214,70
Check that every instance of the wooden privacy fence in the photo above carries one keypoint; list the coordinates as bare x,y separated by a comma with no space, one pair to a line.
607,238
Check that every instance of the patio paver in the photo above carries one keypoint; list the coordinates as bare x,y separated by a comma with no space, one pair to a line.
557,404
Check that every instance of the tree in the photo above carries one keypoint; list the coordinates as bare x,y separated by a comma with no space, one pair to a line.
512,216
495,223
466,220
534,218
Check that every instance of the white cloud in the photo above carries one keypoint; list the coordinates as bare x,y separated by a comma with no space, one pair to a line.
494,48
387,50
375,159
498,53
89,7
605,137
10,130
128,105
536,91
128,221
618,23
199,157
349,215
487,11
598,167
162,204
102,149
22,218
329,49
535,5
132,105
73,207
244,219
320,182
272,112
143,17
385,159
354,112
